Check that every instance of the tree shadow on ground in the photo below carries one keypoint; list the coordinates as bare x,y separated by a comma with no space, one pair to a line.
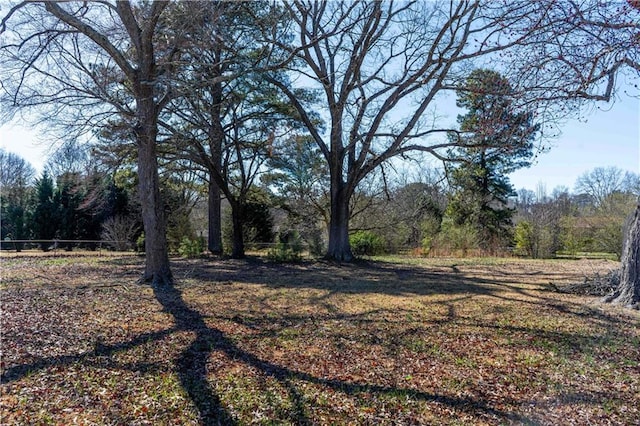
191,368
369,277
360,277
194,378
191,364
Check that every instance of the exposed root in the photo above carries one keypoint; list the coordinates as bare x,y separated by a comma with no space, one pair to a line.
157,280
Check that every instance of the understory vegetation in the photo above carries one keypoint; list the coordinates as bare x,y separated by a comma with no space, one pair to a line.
430,218
395,341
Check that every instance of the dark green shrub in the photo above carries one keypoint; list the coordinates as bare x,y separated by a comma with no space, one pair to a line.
366,243
287,249
191,247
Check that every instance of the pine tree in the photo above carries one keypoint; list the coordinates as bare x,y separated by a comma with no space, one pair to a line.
45,219
496,140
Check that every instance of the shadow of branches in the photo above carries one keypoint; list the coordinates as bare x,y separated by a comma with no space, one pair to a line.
194,378
205,322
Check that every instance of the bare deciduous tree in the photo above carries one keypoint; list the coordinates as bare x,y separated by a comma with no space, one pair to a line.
80,63
119,232
599,183
15,173
380,66
70,157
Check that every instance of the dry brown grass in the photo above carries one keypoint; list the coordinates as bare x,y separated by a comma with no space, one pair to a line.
400,341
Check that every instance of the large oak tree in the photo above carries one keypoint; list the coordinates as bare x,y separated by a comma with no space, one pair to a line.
381,67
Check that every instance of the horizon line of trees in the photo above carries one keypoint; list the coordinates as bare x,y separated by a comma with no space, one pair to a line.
421,217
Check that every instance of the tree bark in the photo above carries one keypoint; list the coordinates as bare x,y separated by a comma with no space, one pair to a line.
141,69
237,219
216,139
339,248
628,291
214,243
157,270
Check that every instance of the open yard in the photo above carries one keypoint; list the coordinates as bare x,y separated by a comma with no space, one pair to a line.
396,342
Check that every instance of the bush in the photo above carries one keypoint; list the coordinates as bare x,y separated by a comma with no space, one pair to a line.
120,231
140,243
430,228
191,247
534,241
366,243
287,249
459,239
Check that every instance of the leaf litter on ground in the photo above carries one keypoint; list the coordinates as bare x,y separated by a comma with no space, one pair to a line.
421,341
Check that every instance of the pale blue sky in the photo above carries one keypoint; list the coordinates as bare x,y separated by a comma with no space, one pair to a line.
609,137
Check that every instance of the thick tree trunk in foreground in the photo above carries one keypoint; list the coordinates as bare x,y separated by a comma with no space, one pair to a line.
628,291
214,243
139,63
157,270
339,248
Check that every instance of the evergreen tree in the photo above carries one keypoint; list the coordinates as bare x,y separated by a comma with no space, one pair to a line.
45,219
16,176
299,180
495,141
67,199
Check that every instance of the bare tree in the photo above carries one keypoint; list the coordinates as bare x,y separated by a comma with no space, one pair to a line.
70,157
631,183
81,63
599,183
15,173
380,66
119,231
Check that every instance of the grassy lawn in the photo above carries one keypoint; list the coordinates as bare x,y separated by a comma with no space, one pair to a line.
392,341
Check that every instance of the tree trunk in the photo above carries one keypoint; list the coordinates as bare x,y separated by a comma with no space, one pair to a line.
339,248
237,216
214,243
216,138
628,291
157,270
138,62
